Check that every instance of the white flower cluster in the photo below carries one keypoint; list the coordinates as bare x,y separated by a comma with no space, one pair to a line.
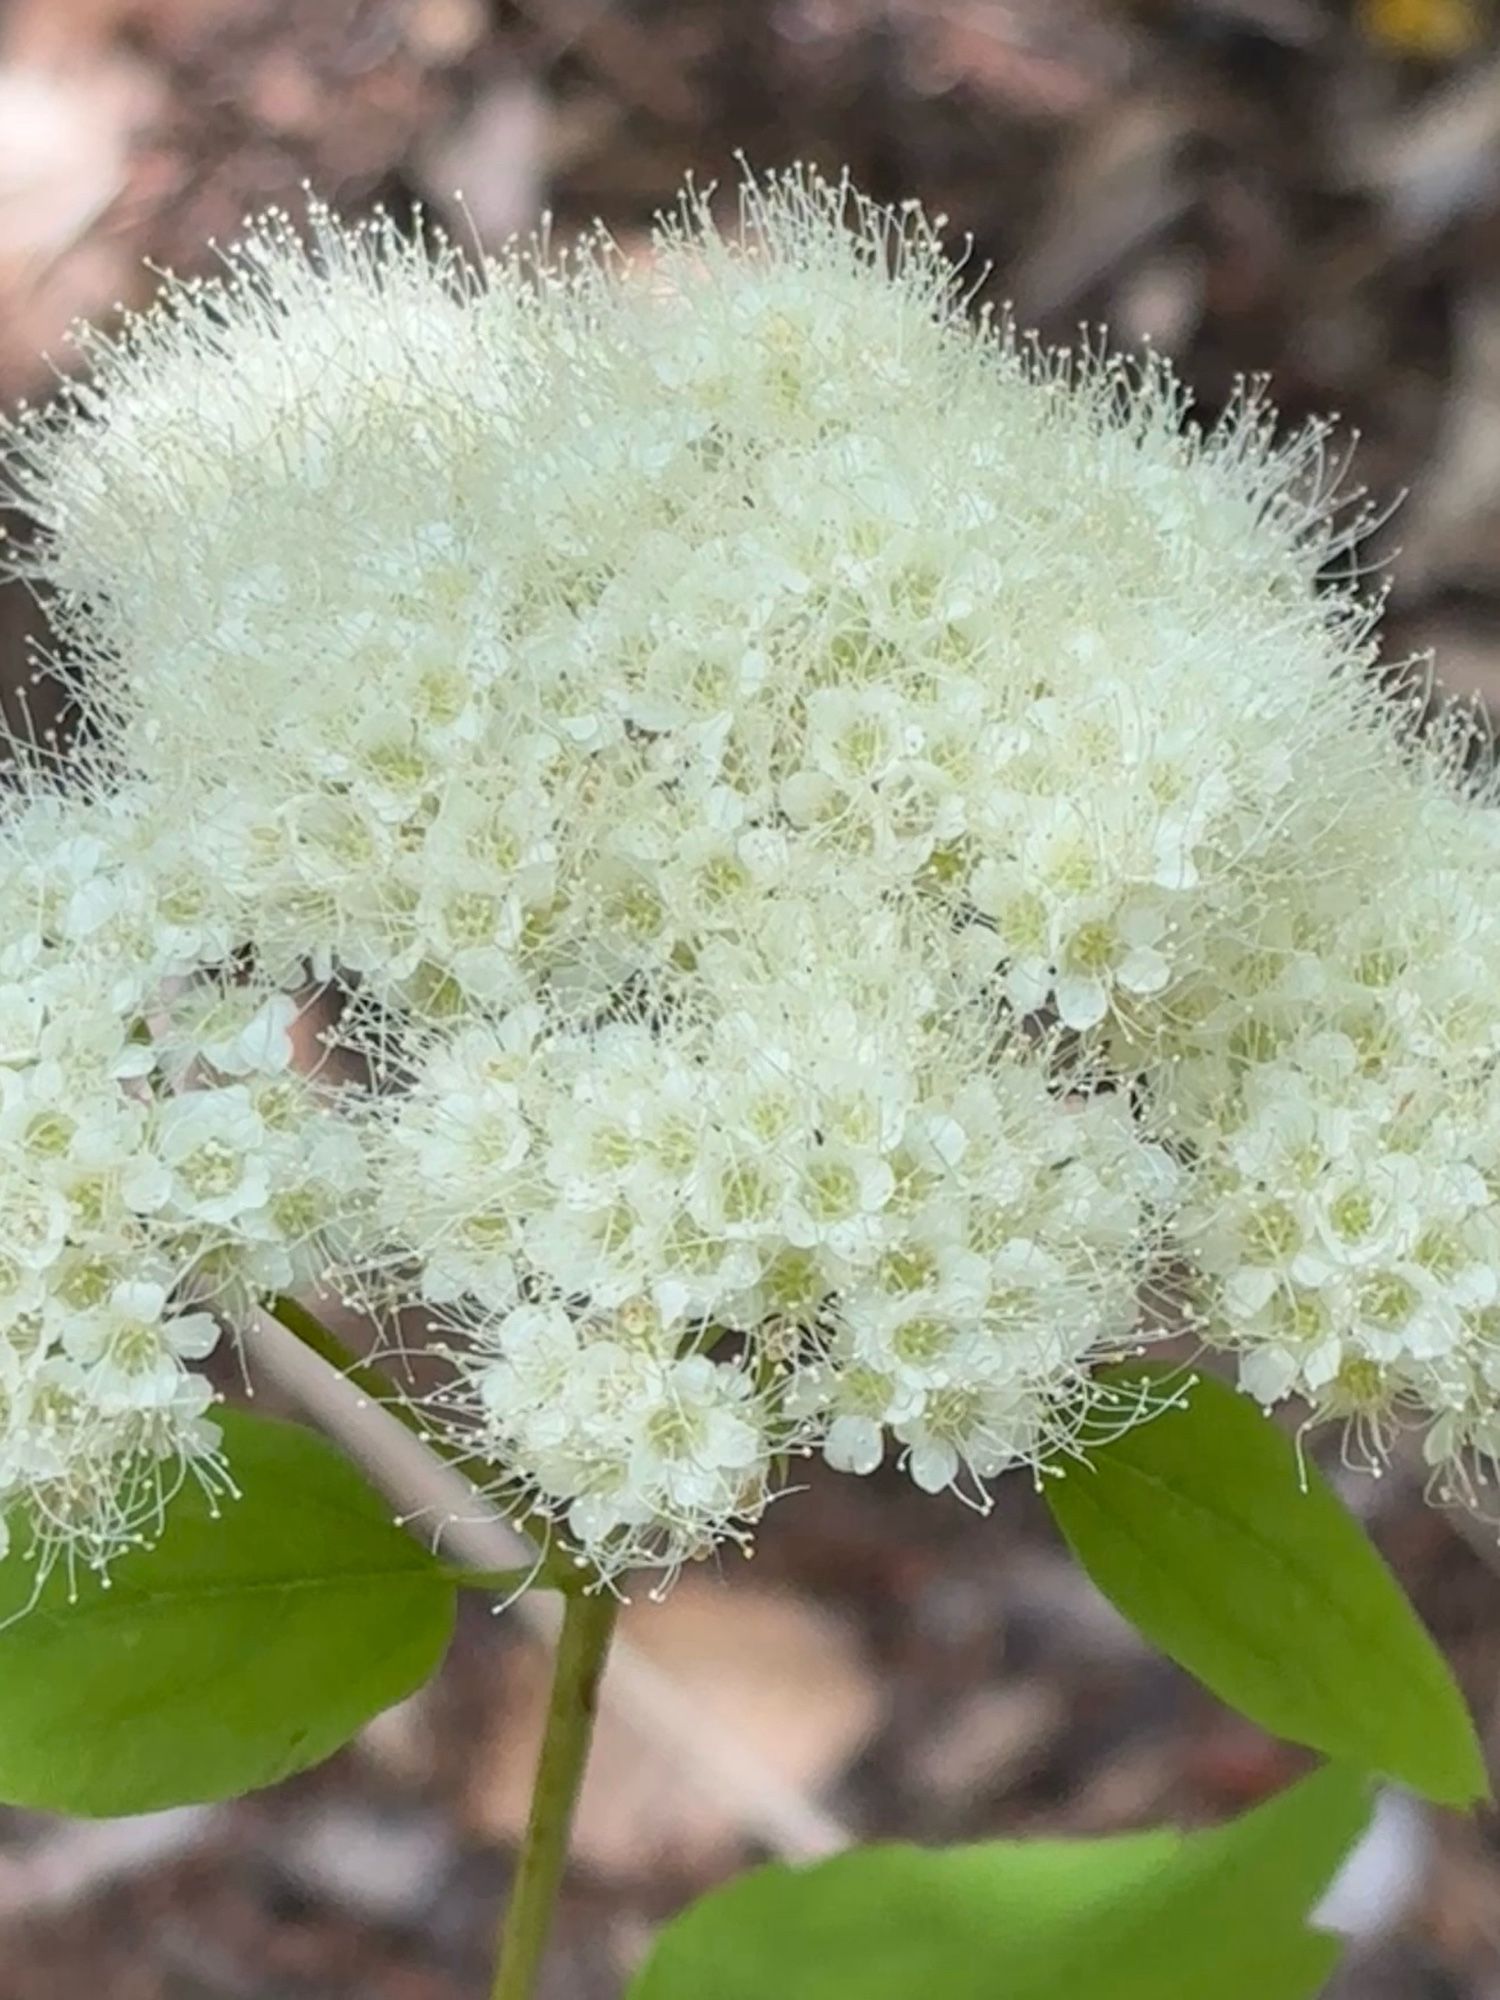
1345,1107
131,1205
550,629
834,833
857,1209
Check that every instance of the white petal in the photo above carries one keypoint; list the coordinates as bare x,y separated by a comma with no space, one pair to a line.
854,1444
1081,1002
933,1466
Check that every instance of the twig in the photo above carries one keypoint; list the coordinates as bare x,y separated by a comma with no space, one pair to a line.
72,1864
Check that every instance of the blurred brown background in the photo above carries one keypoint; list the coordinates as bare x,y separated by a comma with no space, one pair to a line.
1305,187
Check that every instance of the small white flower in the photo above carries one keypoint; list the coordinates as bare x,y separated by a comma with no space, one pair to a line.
132,1347
242,1033
213,1142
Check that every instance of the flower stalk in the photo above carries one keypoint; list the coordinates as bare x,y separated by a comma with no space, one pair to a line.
583,1647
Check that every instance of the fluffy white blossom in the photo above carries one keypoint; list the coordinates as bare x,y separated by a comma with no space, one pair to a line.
1342,1094
830,833
141,1180
835,1184
647,1452
549,625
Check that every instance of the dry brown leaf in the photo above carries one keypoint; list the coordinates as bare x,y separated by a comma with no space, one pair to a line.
495,158
402,1741
1450,531
443,31
785,1676
72,33
66,143
1120,189
993,1737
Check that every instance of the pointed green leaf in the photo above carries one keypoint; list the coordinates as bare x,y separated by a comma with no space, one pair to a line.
1247,1570
238,1649
1152,1916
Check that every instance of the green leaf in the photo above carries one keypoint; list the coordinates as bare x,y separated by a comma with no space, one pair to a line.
1152,1916
238,1649
1247,1570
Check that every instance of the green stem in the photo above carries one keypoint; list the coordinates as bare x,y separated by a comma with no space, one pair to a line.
587,1628
555,1569
588,1625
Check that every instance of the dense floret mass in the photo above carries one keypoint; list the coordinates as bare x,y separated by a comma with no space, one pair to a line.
861,1206
834,850
162,1161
